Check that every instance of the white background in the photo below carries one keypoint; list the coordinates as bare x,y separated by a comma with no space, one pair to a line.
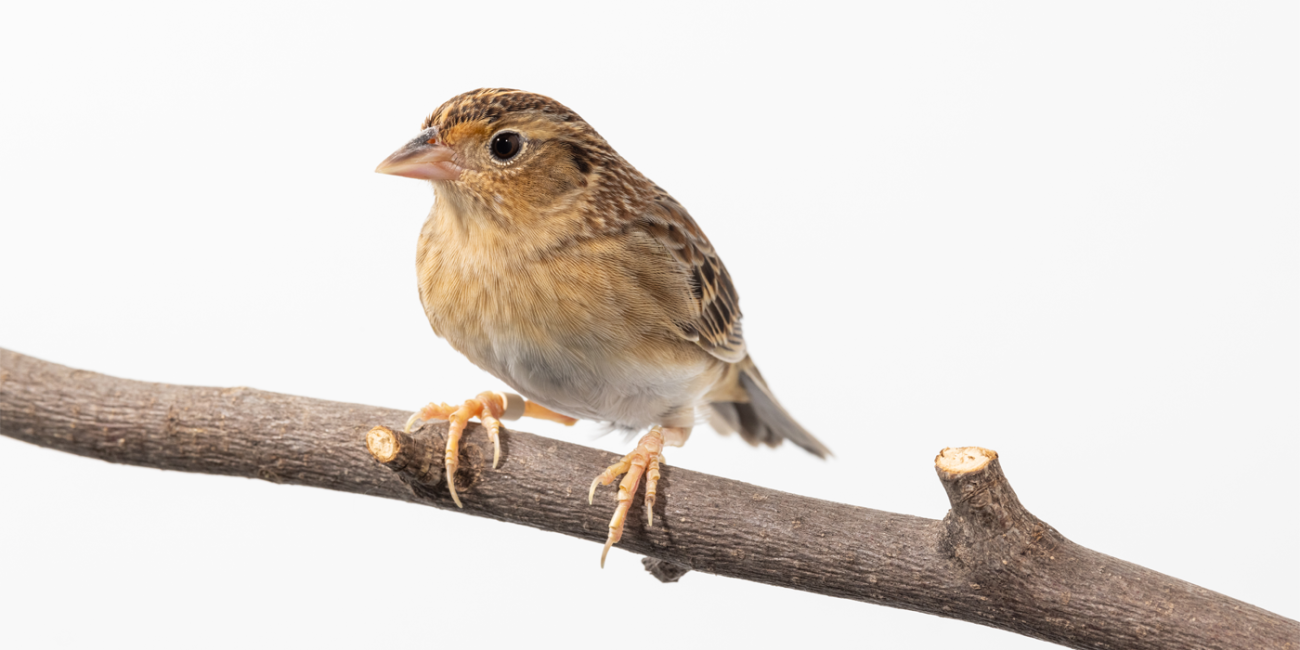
1067,233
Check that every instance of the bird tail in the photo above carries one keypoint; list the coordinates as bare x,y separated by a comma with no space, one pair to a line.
749,408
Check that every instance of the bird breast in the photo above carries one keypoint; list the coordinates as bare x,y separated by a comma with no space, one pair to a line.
572,324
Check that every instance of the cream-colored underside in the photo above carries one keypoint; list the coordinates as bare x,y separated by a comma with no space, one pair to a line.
572,327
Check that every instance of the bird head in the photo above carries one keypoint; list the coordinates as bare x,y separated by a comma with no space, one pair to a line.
510,151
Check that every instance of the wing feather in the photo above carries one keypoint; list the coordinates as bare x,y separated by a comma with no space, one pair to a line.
714,321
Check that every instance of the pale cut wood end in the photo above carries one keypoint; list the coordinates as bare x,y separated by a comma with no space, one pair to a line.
963,460
382,444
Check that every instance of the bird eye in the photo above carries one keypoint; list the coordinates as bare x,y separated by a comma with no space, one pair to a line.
506,145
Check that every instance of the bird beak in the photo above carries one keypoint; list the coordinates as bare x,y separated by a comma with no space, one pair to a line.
423,157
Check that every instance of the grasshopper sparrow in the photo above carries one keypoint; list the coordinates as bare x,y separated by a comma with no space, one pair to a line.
553,264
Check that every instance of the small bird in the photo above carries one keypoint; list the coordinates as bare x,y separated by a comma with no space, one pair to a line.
552,263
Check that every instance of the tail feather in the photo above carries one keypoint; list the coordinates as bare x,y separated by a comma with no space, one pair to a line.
762,419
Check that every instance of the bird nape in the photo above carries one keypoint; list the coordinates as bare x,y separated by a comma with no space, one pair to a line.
553,264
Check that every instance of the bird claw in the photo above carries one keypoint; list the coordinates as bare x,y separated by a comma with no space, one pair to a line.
644,460
413,420
490,408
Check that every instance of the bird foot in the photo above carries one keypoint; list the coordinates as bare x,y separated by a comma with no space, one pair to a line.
490,408
644,460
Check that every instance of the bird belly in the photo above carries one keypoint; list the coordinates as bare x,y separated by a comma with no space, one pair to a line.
623,390
573,329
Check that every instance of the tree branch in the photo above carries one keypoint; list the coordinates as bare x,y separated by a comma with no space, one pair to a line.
989,561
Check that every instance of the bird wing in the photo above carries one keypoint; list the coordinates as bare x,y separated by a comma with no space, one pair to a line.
714,319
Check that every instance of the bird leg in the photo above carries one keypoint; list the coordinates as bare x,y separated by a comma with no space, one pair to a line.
490,408
644,460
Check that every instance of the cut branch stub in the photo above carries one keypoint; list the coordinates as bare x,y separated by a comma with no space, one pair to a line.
417,460
987,531
663,570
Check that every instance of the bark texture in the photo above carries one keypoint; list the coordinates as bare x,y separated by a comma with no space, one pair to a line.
989,561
